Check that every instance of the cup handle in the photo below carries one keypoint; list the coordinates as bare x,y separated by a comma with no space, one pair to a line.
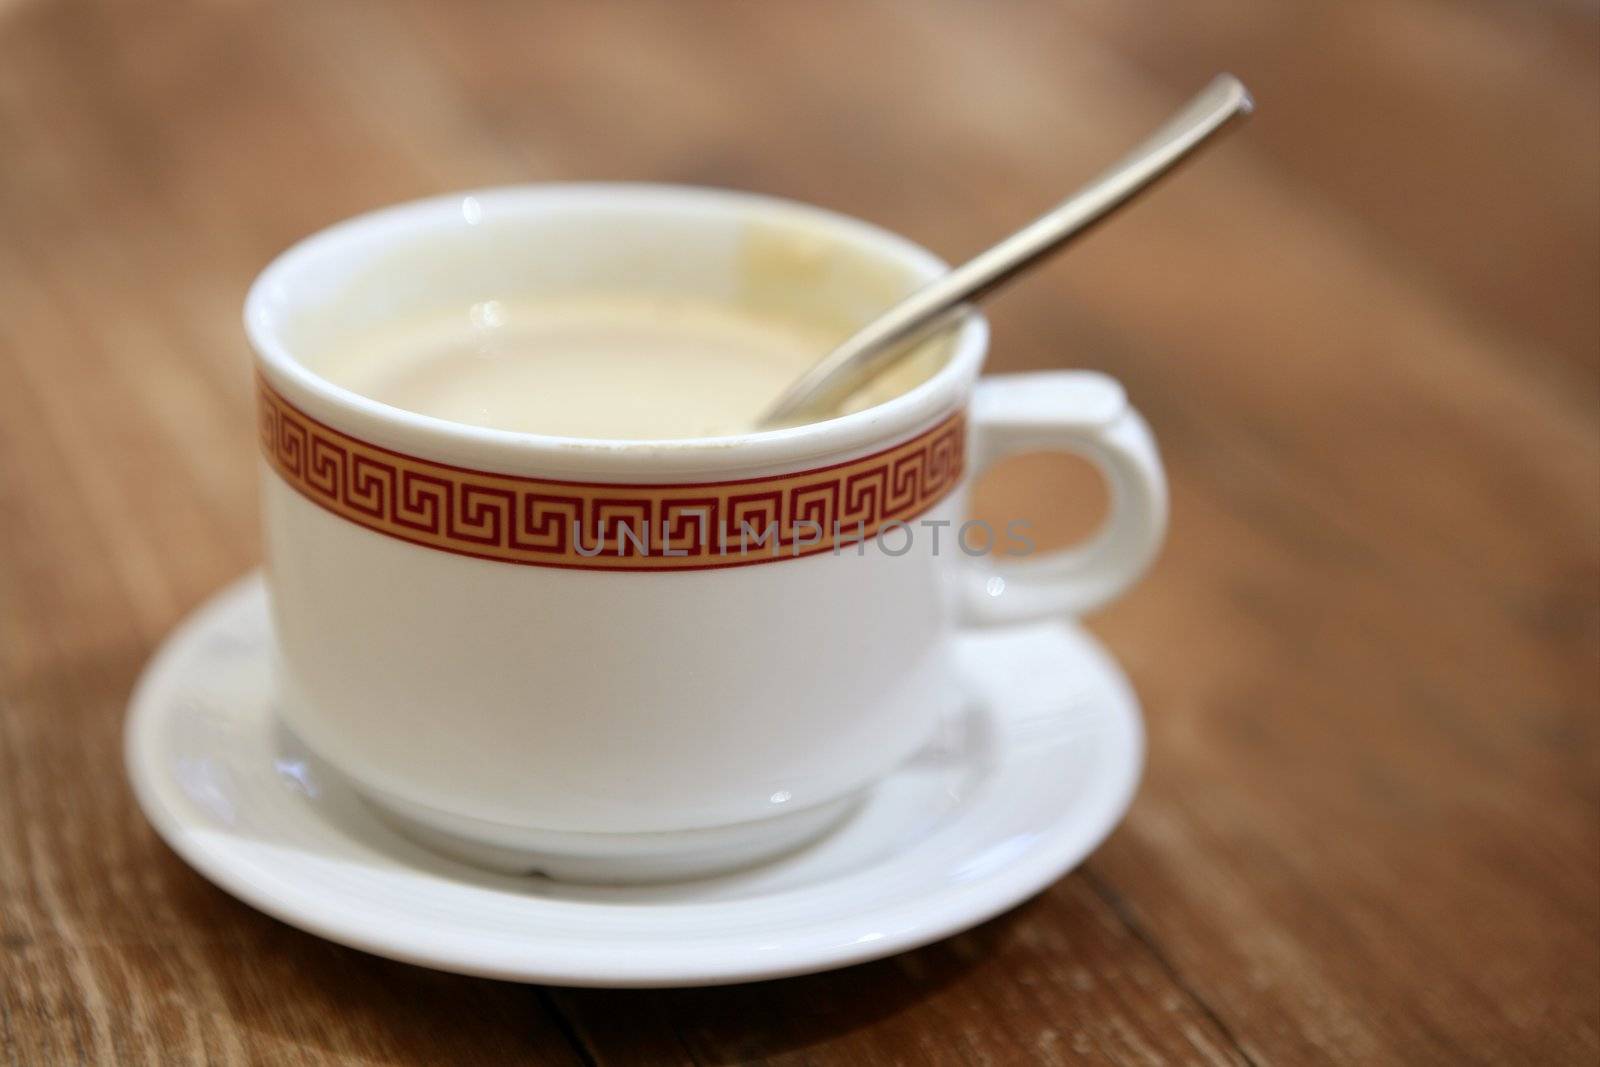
1087,414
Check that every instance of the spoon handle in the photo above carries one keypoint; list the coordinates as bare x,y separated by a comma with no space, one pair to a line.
865,352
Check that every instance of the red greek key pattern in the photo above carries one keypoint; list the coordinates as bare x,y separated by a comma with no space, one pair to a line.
606,526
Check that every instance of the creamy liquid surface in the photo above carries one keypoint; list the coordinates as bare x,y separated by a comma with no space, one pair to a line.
612,367
615,367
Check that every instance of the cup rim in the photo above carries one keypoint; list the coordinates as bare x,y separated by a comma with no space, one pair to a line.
515,451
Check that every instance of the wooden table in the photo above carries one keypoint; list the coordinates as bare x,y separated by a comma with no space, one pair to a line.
1365,331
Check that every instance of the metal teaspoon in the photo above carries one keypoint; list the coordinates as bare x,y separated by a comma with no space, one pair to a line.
870,350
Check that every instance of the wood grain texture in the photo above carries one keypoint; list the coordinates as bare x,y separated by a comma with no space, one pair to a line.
1367,332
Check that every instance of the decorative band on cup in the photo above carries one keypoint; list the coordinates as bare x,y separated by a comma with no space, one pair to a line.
608,526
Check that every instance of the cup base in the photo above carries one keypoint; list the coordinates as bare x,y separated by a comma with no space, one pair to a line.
609,859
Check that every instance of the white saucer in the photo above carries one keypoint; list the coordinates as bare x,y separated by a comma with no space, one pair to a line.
1010,798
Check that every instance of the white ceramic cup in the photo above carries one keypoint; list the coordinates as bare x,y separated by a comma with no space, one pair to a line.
445,641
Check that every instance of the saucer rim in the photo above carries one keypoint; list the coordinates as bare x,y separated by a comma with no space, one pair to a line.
941,913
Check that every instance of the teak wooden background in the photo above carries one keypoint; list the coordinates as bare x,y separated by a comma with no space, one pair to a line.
1365,331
